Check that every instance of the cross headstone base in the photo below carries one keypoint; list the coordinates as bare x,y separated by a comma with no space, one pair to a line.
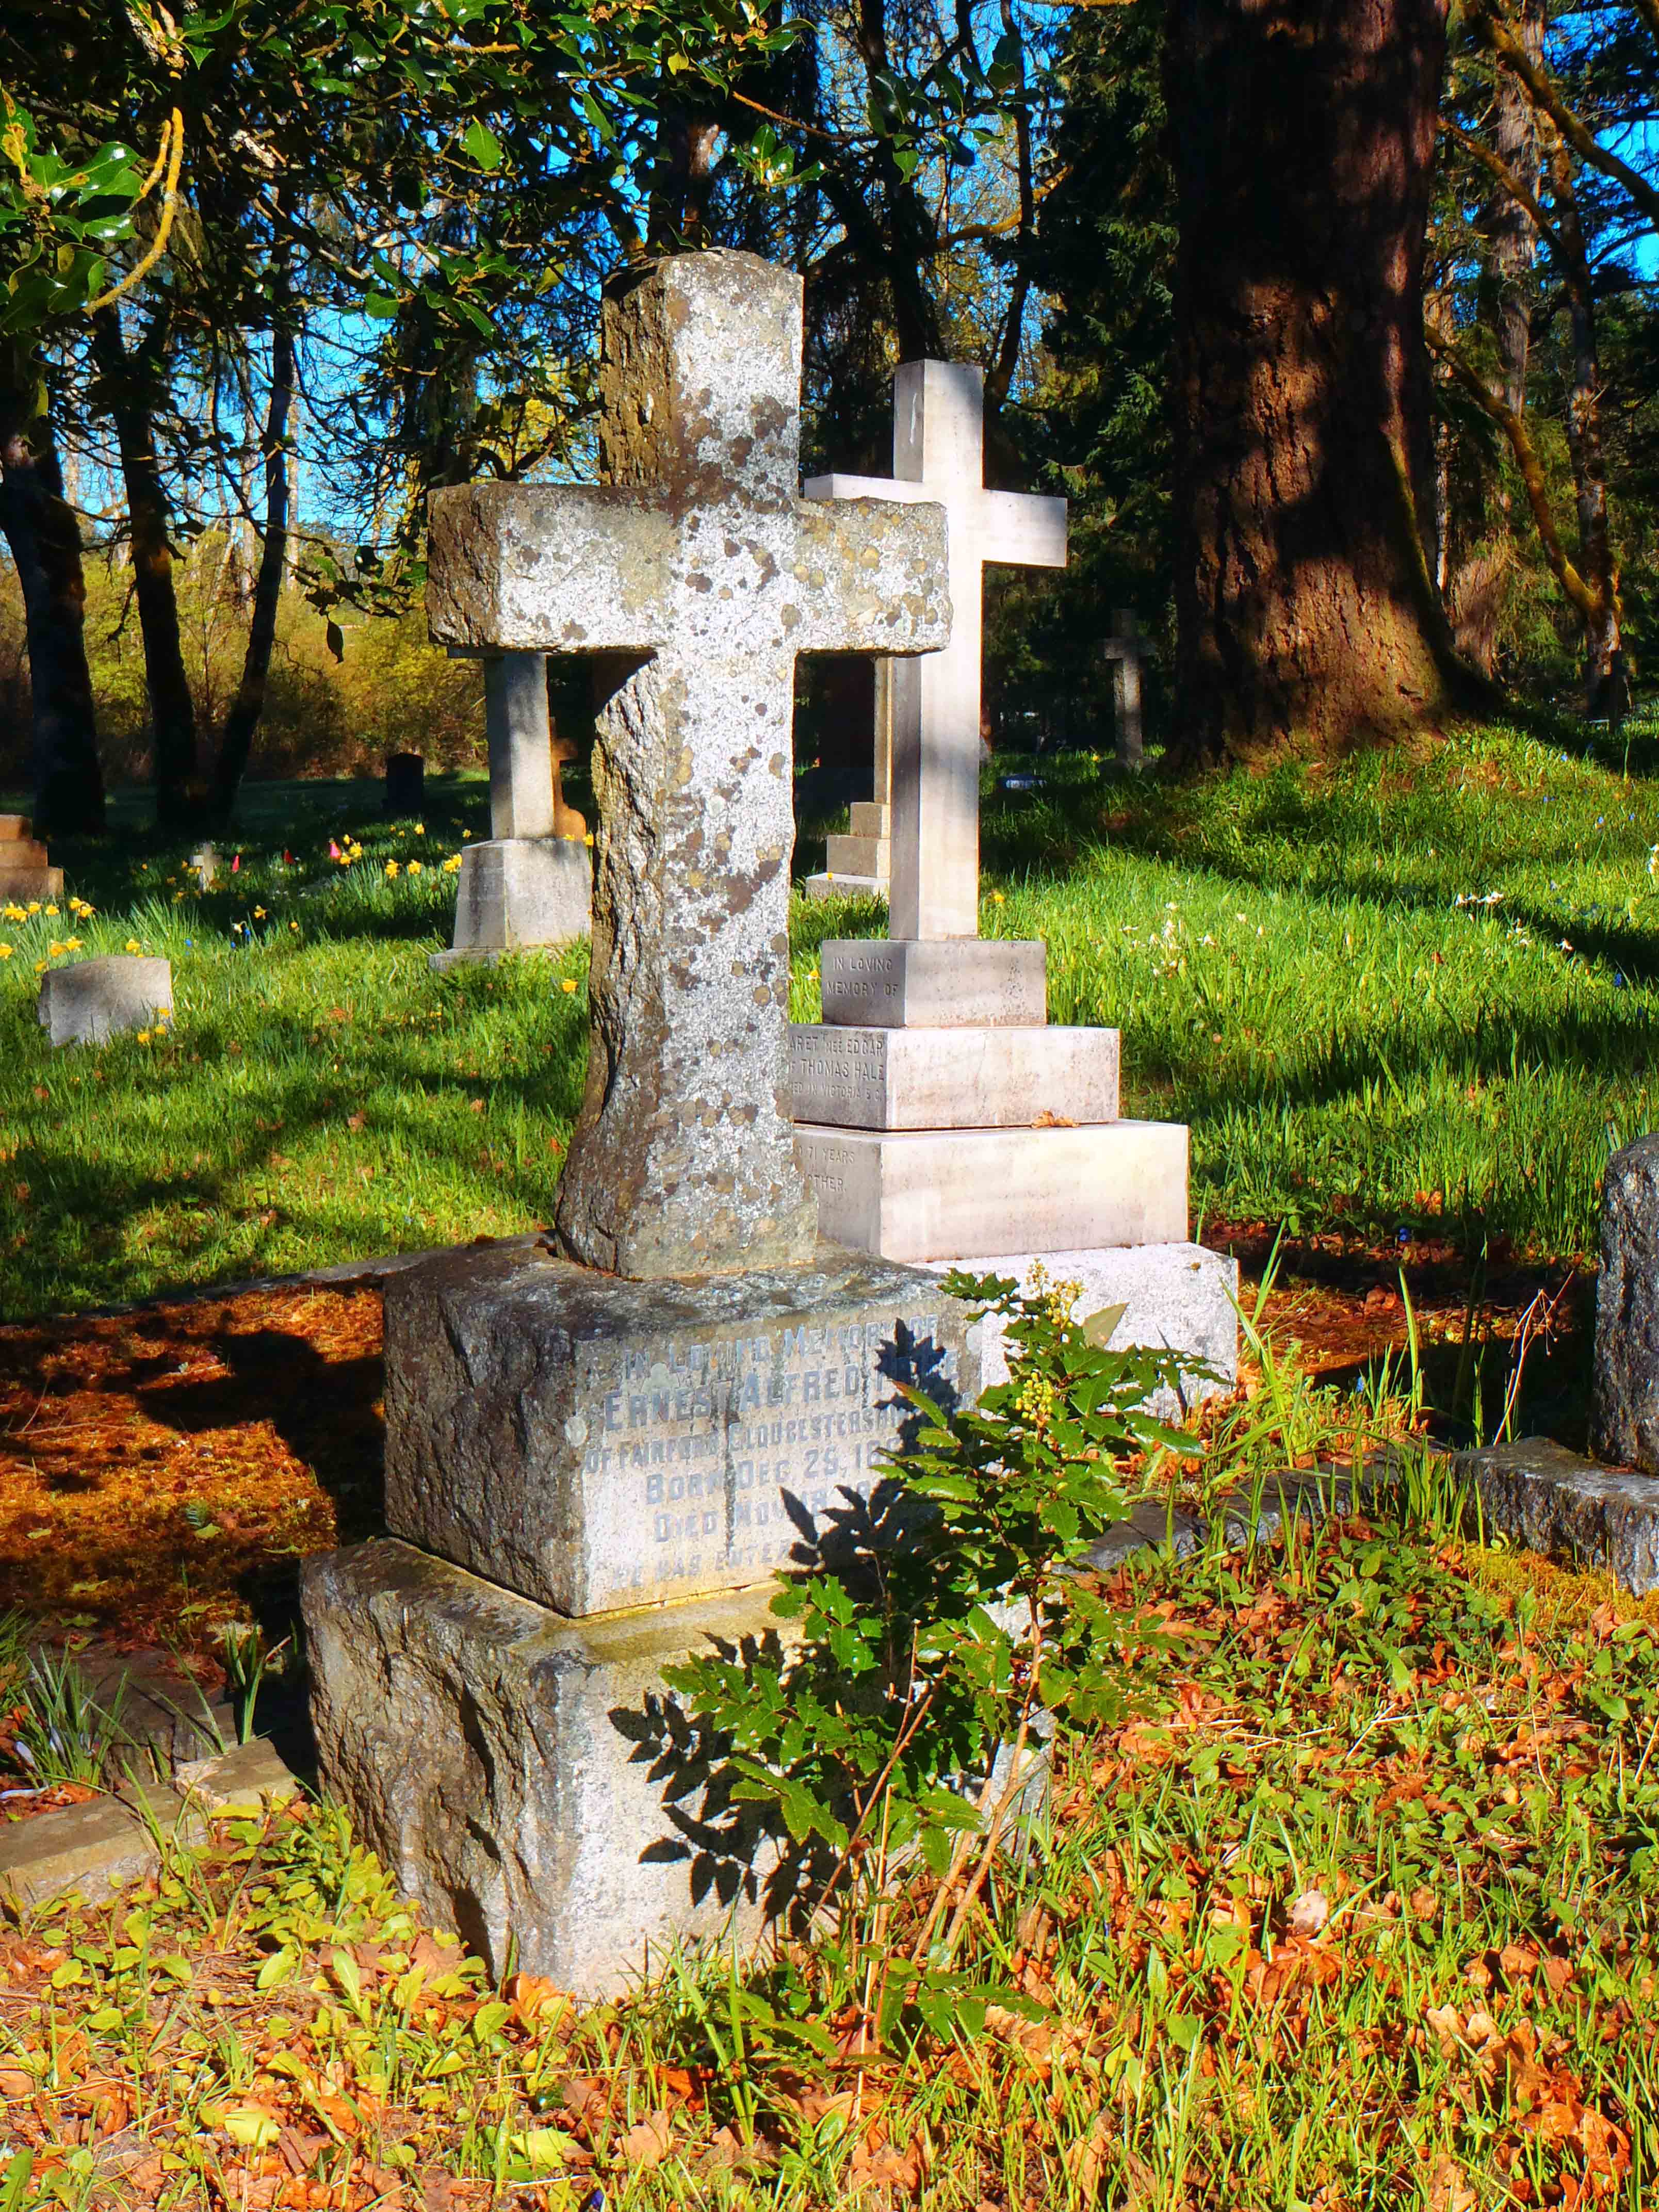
588,1478
516,893
859,863
473,1735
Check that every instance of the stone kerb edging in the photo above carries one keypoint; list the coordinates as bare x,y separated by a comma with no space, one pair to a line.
1535,1491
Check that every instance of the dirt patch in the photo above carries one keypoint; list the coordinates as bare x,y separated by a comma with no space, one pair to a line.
164,1470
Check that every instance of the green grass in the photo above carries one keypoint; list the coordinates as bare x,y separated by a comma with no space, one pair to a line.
1283,954
1359,1910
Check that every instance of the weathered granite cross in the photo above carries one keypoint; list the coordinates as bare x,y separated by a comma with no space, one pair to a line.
939,443
696,562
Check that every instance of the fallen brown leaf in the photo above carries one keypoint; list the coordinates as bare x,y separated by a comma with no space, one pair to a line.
647,2143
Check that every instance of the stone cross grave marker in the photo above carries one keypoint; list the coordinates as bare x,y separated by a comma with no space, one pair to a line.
1125,649
519,738
698,568
938,442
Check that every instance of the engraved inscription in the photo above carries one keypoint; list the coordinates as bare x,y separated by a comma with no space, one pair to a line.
720,1460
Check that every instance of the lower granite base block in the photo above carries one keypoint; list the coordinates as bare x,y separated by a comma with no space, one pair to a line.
1177,1298
489,1752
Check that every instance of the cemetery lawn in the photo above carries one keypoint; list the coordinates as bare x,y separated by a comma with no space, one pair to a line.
1409,999
1358,1909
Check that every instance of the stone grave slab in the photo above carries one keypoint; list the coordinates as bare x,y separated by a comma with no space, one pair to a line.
910,1078
932,983
920,1195
593,1443
90,1001
474,1737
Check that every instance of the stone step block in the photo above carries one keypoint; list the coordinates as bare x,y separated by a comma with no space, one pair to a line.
90,1001
872,817
858,856
494,1756
1176,1298
920,1195
595,1443
939,982
964,1079
835,887
13,828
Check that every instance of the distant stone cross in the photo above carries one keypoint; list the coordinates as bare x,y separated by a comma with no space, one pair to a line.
939,444
696,564
1125,649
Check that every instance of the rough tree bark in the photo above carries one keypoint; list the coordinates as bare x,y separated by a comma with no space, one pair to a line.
123,392
246,708
1475,596
1303,144
44,537
1598,560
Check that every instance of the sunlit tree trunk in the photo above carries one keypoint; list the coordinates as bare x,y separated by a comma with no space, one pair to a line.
1304,145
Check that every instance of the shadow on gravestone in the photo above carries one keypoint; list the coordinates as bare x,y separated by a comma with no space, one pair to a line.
732,1848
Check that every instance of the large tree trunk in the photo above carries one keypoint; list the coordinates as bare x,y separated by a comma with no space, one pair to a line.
1304,145
125,394
1597,559
44,539
248,705
1475,597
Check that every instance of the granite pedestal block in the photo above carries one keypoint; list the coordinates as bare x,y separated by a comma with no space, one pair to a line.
596,1444
517,892
91,1000
966,1078
945,982
1176,1298
492,1755
919,1194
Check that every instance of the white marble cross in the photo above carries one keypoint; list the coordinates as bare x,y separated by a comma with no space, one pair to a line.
939,443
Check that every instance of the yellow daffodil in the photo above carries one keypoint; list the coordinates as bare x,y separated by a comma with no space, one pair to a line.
5,953
13,913
391,871
35,906
72,945
133,944
568,984
51,910
420,828
414,867
258,914
452,865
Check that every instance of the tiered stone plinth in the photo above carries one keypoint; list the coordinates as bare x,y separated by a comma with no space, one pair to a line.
859,865
941,1122
25,871
586,1480
516,893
